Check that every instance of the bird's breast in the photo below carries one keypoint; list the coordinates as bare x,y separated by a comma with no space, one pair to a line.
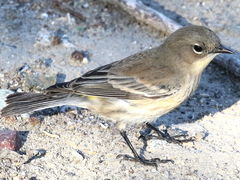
145,109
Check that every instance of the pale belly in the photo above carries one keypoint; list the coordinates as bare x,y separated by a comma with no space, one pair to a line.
136,111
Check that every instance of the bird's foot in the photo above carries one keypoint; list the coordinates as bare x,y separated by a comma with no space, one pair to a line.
137,158
164,135
143,160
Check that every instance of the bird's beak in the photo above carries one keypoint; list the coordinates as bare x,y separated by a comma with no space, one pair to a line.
222,49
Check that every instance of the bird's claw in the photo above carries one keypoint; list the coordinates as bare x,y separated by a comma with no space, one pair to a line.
148,162
164,135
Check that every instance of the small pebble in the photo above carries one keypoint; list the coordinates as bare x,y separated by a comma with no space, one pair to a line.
78,58
104,125
60,78
9,139
24,68
35,154
77,55
48,62
44,15
85,60
86,5
56,40
25,116
34,121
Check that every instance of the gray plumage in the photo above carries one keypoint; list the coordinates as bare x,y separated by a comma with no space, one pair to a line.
138,88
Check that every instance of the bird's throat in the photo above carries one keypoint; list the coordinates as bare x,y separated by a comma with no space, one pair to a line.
201,64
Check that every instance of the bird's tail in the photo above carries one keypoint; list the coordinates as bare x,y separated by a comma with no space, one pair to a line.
20,103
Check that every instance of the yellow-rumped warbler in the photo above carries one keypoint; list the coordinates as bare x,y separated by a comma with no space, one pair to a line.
137,89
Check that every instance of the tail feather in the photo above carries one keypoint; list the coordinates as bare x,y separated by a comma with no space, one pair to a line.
20,103
21,97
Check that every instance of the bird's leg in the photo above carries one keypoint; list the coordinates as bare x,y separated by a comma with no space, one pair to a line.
137,157
166,136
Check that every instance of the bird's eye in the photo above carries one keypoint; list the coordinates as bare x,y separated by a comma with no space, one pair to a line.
197,49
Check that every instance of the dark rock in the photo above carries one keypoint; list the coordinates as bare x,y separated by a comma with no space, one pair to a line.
78,58
23,68
57,37
60,78
9,139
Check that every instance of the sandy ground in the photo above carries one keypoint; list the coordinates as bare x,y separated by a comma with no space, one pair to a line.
75,144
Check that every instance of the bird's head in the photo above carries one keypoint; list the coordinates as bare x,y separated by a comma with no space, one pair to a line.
195,45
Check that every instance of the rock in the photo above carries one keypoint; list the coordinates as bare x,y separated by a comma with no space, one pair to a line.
47,62
44,15
85,5
9,139
78,58
46,38
57,37
34,121
35,154
23,68
56,40
60,78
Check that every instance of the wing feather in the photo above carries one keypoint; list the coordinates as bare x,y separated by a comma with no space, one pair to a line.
106,82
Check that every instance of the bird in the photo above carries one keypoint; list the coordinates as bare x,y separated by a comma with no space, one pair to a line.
137,89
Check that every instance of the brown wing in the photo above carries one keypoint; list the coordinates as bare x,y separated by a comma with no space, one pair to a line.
126,79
